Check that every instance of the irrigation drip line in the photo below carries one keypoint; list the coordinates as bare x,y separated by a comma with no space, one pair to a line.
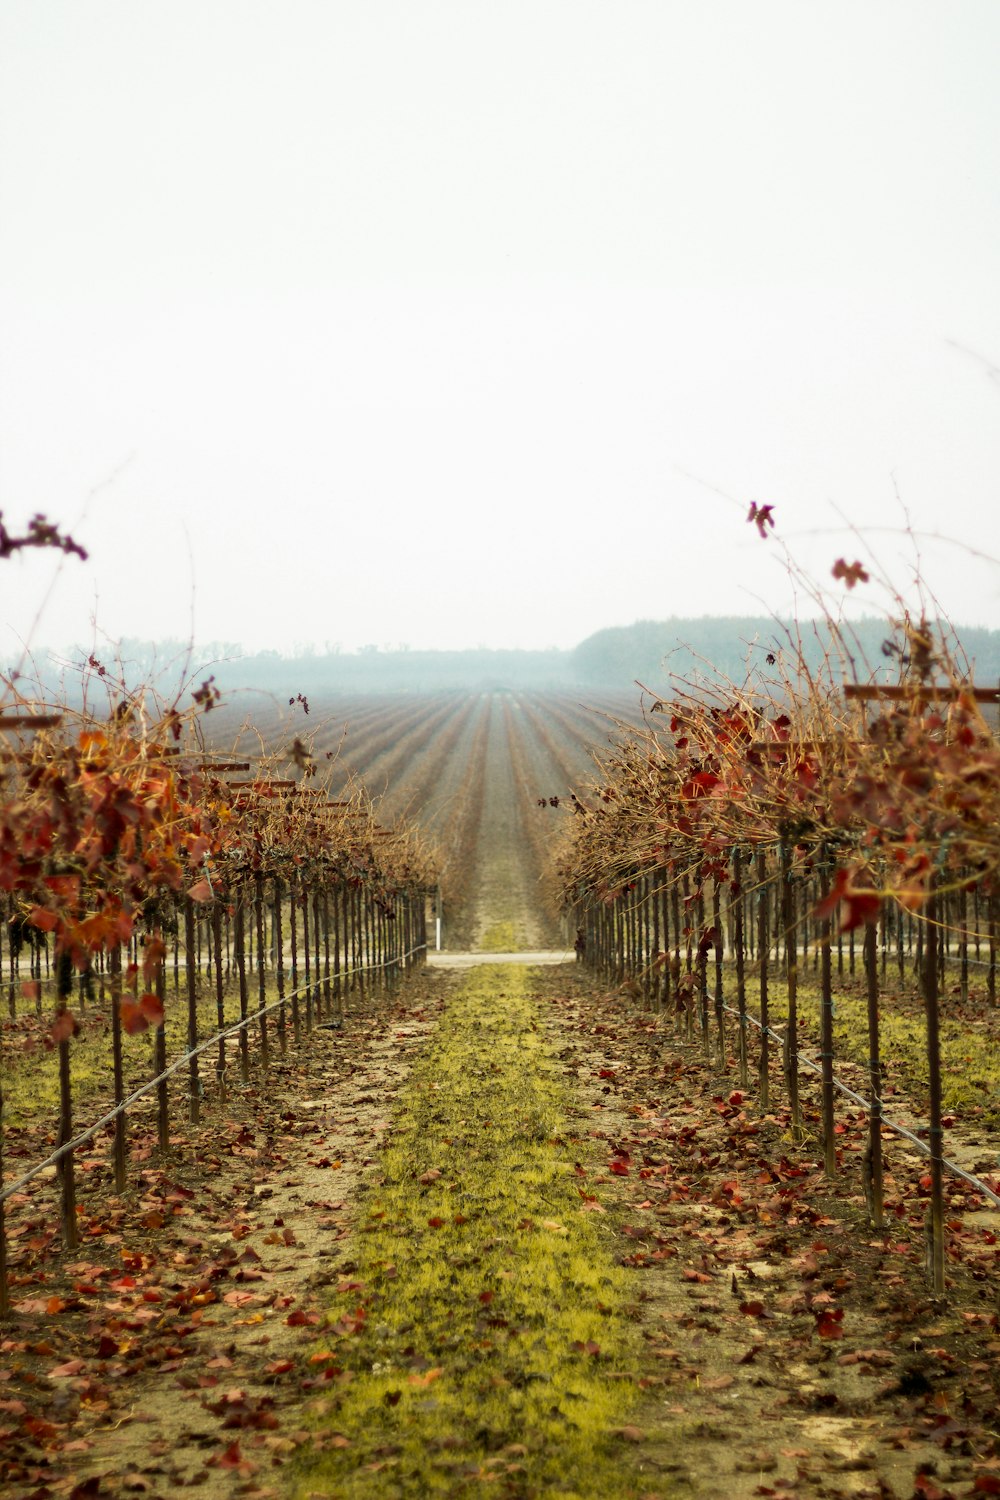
249,1020
902,1130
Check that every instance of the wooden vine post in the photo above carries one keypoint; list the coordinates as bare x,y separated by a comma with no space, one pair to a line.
741,985
293,912
305,956
190,959
935,1133
871,1167
704,943
240,947
720,1024
791,1047
159,1066
279,966
826,1025
119,1142
763,945
67,1178
220,996
258,909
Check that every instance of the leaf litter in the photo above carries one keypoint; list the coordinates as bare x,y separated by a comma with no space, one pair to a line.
799,1352
218,1320
173,1349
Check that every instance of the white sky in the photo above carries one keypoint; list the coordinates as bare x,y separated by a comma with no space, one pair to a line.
408,322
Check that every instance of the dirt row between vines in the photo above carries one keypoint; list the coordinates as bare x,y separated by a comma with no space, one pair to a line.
770,1343
173,1349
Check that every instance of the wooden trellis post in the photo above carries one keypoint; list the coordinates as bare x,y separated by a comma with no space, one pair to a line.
741,986
826,1026
872,1164
191,962
220,996
763,946
119,1140
239,944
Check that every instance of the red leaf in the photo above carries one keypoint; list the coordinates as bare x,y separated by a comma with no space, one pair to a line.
859,906
829,1323
133,1020
42,919
63,1027
761,516
139,1015
851,573
700,785
152,1008
201,891
153,955
232,1458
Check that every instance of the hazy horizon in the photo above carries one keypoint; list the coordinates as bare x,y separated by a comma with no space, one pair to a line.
457,325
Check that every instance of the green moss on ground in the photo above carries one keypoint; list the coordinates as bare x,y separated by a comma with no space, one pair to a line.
484,1342
970,1060
500,937
31,1069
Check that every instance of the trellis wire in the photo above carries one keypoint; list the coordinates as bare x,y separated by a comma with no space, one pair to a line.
249,1020
866,1104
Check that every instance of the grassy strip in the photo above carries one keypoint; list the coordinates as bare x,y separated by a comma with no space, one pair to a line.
31,1069
500,937
484,1342
970,1060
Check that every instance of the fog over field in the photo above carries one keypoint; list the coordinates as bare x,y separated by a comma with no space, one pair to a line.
328,325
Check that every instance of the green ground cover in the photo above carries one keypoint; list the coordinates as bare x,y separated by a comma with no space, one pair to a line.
482,1332
970,1055
31,1068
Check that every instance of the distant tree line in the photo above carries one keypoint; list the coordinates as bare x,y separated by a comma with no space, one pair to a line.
730,647
649,652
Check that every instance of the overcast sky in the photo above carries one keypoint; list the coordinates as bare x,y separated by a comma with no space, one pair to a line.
448,322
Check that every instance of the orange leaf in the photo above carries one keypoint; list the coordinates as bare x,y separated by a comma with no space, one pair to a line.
64,1026
132,1017
153,955
152,1008
201,890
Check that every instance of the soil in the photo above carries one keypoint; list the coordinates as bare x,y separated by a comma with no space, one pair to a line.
785,1348
173,1348
503,908
798,1351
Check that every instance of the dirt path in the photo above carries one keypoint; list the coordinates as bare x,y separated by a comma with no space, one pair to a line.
540,1247
175,1348
790,1349
504,901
